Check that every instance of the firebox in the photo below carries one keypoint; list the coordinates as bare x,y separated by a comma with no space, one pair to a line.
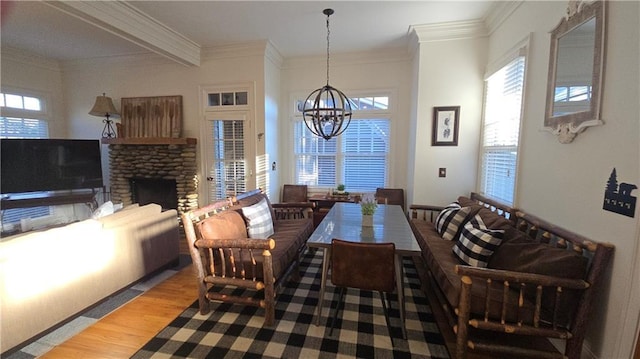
154,190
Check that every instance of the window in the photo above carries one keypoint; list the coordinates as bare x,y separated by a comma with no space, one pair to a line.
24,118
358,158
502,116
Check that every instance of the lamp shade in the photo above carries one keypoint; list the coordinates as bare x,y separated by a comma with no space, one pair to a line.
104,107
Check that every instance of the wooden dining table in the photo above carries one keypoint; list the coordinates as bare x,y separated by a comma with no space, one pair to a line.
344,221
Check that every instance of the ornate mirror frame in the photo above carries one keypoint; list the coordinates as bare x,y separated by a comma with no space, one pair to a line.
567,126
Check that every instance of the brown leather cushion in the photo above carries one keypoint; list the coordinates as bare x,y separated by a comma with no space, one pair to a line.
522,255
225,225
367,266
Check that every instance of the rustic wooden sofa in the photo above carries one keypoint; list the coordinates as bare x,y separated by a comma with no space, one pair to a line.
225,257
538,284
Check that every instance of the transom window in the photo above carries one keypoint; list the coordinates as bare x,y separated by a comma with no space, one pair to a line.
358,158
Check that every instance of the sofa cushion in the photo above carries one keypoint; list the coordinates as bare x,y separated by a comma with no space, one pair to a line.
441,261
259,220
476,243
493,220
450,221
224,225
522,255
254,199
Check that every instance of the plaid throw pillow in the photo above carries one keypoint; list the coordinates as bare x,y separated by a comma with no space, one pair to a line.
260,224
477,243
450,221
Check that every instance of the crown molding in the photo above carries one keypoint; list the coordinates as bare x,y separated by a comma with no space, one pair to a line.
447,31
126,21
499,12
238,49
398,54
24,57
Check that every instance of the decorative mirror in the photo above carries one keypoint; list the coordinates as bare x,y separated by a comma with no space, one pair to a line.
576,63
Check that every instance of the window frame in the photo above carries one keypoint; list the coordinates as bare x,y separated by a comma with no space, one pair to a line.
340,154
520,50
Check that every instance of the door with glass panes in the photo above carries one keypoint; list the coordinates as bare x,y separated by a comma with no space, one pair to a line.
227,167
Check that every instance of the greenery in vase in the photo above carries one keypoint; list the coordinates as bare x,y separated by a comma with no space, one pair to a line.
368,205
340,188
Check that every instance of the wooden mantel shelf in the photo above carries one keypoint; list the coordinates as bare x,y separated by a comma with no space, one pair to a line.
149,141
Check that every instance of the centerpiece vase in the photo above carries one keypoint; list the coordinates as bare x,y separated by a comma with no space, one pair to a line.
367,220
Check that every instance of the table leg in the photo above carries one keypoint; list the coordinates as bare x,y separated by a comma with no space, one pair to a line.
400,290
326,259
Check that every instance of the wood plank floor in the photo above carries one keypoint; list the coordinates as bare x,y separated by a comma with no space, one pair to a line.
121,333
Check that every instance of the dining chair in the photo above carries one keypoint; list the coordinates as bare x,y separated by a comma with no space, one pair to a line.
294,193
390,196
365,266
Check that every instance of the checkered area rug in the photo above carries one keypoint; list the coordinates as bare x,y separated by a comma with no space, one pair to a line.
236,331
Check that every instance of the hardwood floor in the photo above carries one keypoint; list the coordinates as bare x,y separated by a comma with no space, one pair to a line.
121,333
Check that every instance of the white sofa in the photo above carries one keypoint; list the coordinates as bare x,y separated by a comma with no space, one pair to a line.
49,276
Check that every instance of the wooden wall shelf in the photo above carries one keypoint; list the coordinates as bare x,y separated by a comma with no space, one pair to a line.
149,141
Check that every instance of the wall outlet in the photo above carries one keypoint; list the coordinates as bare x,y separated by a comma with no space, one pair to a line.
442,172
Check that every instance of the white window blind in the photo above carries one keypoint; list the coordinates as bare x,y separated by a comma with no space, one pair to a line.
502,116
358,158
227,174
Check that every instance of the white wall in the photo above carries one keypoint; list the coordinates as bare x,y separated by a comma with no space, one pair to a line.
273,118
450,74
564,183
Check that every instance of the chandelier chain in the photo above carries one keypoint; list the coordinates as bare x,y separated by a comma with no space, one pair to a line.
328,33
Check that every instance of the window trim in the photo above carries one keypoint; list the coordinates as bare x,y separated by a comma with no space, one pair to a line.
387,114
521,48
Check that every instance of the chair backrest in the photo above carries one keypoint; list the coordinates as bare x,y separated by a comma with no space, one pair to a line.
391,196
368,266
294,193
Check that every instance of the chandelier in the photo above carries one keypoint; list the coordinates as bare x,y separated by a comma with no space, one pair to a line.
327,110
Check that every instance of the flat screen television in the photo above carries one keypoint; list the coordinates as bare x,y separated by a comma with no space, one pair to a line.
38,165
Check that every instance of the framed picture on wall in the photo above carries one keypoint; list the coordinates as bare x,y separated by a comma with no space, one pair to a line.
445,126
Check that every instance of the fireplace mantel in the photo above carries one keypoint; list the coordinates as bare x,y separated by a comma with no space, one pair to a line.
149,141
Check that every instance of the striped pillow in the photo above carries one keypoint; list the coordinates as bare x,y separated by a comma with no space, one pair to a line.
450,221
260,224
477,243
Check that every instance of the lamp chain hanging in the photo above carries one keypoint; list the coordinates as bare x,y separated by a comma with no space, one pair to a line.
327,110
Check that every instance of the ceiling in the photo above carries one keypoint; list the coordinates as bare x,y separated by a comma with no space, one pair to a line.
295,28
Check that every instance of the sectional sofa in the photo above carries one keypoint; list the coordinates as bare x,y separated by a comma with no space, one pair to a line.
47,277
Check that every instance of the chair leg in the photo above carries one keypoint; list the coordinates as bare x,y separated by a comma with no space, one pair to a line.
334,317
383,298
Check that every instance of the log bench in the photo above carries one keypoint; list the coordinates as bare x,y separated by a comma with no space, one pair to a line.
228,250
539,282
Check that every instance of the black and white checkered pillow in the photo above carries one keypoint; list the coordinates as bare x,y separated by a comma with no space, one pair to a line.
450,220
477,243
260,223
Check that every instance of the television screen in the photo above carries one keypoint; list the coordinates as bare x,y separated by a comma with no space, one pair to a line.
34,165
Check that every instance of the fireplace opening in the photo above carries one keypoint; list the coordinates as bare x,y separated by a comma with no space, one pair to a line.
154,190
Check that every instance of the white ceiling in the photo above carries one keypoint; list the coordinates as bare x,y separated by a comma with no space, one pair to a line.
295,28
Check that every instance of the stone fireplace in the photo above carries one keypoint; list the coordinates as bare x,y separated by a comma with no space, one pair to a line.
132,161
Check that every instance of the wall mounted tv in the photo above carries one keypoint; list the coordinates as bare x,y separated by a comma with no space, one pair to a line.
37,165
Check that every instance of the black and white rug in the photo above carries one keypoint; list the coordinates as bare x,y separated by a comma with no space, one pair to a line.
236,331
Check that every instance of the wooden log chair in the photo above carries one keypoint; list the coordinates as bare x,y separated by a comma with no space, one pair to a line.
560,306
293,194
224,258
